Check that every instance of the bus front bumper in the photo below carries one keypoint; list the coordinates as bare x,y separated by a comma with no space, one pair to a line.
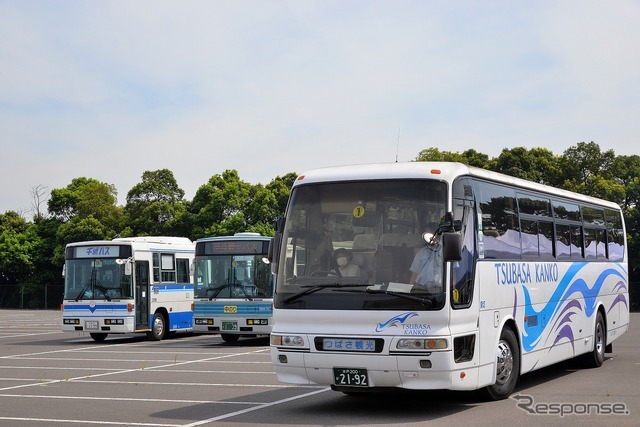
403,370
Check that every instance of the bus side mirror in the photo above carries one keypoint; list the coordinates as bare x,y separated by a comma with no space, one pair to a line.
127,265
273,253
451,246
64,268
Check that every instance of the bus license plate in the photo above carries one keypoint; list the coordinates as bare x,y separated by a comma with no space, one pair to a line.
91,325
229,326
352,377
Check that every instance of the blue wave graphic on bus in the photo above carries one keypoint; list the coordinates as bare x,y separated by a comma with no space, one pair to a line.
395,321
562,306
98,307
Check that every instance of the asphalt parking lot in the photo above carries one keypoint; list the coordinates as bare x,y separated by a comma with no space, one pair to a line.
51,378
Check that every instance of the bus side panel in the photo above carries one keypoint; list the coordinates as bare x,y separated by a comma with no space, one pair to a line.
553,304
177,300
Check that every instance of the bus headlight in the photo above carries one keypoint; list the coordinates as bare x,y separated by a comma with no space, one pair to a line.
422,344
287,340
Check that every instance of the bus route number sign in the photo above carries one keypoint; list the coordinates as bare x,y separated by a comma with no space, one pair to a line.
351,377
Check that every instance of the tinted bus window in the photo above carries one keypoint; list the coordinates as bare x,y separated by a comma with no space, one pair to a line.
497,209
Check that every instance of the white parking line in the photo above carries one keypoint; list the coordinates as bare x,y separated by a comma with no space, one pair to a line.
17,335
131,399
124,371
256,408
112,423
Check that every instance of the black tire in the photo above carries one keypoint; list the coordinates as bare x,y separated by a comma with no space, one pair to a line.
508,366
595,358
158,327
230,338
98,336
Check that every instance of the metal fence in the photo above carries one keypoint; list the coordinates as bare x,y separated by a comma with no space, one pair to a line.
14,296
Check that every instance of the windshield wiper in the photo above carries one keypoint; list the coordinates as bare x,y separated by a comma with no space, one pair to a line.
316,288
423,301
104,292
228,285
84,289
244,291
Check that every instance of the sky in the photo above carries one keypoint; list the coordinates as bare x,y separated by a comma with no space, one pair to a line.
111,89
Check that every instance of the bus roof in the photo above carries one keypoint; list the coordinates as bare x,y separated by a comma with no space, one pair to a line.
237,236
444,171
163,240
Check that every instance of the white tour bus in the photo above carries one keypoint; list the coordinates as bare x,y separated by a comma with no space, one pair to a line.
136,284
233,286
459,278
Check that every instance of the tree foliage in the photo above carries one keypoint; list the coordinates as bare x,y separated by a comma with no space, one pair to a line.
155,206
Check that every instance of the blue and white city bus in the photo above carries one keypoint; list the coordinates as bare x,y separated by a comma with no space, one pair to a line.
135,284
233,286
467,278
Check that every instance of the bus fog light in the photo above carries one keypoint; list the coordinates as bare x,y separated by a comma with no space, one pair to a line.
425,364
282,358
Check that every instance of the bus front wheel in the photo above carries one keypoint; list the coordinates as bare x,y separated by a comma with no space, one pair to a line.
507,366
158,327
98,336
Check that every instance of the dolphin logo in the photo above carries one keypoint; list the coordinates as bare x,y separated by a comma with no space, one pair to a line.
395,321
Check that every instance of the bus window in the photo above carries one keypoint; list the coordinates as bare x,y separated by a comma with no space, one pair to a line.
462,271
499,227
615,235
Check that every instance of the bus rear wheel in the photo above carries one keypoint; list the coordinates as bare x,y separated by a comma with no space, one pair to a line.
158,327
507,366
230,338
98,336
595,358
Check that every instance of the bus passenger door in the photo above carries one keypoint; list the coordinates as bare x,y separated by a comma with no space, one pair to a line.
142,295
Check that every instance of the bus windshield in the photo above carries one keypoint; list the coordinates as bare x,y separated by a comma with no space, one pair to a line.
96,278
359,245
233,276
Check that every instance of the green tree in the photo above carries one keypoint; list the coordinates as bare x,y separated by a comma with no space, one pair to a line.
469,157
588,170
537,165
626,171
583,160
11,220
156,206
217,205
268,203
84,198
